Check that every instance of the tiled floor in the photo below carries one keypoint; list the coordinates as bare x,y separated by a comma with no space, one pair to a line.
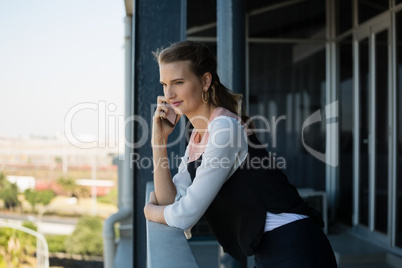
347,244
206,253
351,252
366,266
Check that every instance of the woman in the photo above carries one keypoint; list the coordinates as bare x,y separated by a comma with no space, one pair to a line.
252,210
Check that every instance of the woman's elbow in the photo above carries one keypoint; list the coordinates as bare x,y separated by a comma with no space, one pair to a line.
154,213
146,211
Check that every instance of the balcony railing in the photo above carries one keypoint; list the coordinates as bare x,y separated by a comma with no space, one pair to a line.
167,246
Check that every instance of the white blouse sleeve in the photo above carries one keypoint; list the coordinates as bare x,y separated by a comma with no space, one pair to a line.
182,179
225,151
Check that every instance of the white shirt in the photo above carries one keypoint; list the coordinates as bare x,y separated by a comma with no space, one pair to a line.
225,149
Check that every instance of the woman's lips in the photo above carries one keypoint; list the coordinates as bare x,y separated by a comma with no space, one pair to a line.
176,103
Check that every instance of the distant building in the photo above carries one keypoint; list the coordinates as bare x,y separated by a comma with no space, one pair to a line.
23,182
102,187
51,152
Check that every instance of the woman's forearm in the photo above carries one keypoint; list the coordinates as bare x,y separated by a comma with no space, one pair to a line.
165,189
154,213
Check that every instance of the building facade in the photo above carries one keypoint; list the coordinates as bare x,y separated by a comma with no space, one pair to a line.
322,80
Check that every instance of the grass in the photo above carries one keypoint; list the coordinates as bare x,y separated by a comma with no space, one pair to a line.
56,243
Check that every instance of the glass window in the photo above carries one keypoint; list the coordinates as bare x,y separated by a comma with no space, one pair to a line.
256,5
344,15
286,86
399,129
209,32
346,130
368,9
305,19
381,129
364,131
201,13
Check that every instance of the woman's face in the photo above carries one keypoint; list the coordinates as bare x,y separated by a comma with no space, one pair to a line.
181,87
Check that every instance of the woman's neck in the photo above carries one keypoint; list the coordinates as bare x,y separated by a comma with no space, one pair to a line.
200,120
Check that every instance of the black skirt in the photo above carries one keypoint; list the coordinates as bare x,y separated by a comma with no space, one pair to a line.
299,244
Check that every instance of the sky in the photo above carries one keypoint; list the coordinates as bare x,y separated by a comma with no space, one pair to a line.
60,59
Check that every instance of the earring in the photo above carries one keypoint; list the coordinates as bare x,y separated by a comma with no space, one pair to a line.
205,99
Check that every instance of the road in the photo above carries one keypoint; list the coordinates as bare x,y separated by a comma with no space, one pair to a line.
48,225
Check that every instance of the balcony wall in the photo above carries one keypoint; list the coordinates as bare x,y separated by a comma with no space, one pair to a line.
167,246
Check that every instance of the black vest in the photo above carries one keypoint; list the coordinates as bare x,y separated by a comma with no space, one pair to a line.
237,214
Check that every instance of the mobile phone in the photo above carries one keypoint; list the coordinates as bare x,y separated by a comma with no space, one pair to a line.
171,116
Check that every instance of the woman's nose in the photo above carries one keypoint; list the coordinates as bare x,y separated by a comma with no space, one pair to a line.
169,92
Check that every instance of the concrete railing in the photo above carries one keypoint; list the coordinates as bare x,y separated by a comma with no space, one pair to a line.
167,246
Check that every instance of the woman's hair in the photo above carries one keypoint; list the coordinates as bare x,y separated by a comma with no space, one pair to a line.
203,60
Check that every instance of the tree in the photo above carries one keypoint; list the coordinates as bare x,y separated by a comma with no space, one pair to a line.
2,180
86,238
32,197
38,197
8,193
45,197
82,191
68,185
58,160
71,188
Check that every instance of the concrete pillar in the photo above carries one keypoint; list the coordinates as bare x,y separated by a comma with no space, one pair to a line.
155,24
231,55
231,44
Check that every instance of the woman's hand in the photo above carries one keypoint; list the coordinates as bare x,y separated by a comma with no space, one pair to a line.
164,187
152,198
160,127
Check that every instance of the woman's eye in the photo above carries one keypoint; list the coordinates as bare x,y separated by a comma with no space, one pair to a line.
179,82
